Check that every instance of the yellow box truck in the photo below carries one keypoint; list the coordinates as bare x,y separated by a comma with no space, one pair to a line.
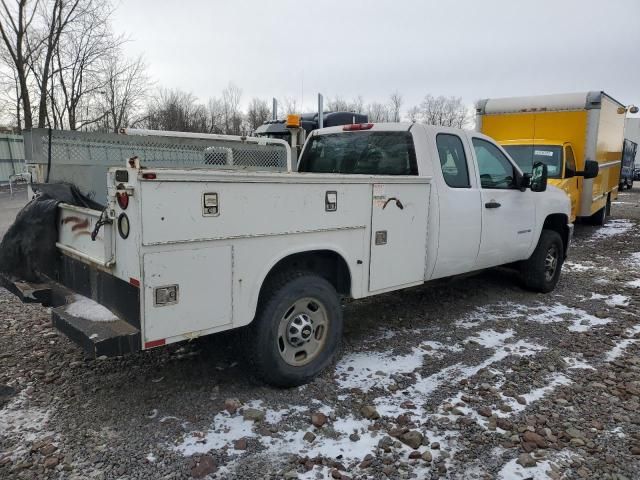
569,133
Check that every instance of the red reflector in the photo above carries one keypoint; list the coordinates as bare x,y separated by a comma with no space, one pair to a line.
155,343
357,126
123,200
149,176
134,281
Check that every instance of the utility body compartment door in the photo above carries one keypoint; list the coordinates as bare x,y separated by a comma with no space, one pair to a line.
203,280
398,235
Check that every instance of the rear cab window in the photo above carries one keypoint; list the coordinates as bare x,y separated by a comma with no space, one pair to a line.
361,153
453,160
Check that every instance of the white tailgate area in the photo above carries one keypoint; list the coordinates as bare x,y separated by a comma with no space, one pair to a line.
204,276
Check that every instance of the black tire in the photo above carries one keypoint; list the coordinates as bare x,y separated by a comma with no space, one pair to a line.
265,339
535,274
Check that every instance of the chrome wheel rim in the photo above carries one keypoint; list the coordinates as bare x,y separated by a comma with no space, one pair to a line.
551,263
302,331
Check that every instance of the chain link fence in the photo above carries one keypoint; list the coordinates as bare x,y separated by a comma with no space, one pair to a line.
83,158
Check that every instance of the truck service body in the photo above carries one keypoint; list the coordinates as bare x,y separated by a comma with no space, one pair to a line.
183,253
564,131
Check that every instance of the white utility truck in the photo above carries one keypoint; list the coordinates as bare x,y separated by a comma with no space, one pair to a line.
182,253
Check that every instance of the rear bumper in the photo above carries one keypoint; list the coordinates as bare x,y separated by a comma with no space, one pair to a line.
97,338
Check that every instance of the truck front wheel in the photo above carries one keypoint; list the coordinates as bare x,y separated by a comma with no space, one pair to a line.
541,271
297,330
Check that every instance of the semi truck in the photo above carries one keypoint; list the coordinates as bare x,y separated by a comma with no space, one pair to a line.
177,253
579,136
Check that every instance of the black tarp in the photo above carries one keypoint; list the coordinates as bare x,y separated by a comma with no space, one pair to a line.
29,246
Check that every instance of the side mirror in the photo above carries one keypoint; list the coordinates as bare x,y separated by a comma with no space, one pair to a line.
591,169
539,175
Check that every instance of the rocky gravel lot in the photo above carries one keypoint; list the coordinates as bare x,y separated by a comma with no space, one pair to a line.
474,378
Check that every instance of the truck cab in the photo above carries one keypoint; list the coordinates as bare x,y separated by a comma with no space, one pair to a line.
588,126
560,159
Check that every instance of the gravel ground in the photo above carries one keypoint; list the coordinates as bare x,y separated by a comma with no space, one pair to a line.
475,378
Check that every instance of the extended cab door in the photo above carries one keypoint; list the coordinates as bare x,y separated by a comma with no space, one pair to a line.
458,207
508,214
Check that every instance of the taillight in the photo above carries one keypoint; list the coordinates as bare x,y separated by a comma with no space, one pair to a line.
123,200
357,126
149,176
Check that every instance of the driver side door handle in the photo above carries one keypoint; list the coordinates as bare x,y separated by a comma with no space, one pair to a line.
492,204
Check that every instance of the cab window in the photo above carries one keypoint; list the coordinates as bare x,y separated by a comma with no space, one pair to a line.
496,171
570,166
360,153
526,156
453,161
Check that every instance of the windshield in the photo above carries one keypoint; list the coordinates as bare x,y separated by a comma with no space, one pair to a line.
364,153
526,155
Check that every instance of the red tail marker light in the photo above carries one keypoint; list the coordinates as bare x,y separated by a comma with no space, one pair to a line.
123,200
134,281
149,176
155,343
357,126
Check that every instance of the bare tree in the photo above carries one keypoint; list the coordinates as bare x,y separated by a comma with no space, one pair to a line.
31,31
123,91
82,74
290,105
445,111
215,112
15,24
395,104
231,109
257,113
357,104
414,114
377,112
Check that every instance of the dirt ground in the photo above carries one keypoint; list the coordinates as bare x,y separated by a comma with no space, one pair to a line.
476,378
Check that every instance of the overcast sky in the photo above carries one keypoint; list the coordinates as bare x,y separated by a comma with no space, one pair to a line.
467,48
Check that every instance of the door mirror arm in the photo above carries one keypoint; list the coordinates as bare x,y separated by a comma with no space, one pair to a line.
525,182
591,170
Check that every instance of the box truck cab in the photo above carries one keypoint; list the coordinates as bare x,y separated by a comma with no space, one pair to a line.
579,136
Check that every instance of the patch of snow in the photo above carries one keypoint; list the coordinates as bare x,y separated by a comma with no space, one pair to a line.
225,430
365,370
151,458
623,344
617,300
84,307
22,424
536,394
577,267
612,228
635,259
634,283
581,321
576,363
514,471
498,311
424,387
491,338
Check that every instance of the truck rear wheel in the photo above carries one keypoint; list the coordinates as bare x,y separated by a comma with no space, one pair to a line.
541,271
297,330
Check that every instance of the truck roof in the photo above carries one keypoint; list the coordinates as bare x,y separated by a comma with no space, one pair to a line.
397,127
556,102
